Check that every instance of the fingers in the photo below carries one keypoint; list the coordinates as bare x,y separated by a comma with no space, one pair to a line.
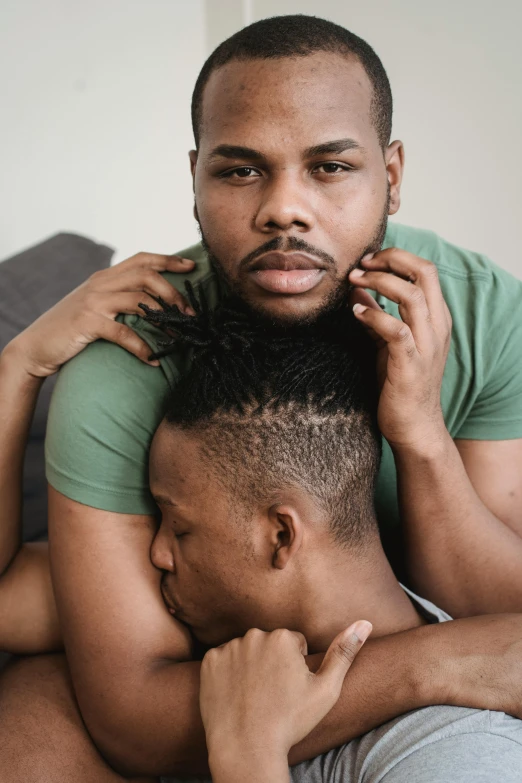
150,282
123,335
423,274
341,654
383,326
160,263
360,296
143,273
297,639
413,307
129,303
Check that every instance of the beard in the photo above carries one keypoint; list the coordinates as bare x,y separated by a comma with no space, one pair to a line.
330,303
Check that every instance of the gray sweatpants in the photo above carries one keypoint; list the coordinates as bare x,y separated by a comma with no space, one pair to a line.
432,745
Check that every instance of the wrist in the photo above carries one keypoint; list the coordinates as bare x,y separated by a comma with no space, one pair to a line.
13,362
427,444
256,763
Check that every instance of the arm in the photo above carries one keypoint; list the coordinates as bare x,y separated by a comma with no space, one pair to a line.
460,505
139,696
28,619
462,522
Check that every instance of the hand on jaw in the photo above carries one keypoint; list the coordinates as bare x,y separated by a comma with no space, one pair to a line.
412,352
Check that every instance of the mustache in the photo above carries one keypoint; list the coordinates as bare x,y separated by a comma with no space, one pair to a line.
286,244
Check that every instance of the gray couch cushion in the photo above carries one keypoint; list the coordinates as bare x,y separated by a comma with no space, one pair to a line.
30,283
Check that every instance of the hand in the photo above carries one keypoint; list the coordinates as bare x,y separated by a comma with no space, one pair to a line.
412,352
88,313
257,693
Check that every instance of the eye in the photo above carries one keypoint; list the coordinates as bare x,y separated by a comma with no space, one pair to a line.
243,172
332,168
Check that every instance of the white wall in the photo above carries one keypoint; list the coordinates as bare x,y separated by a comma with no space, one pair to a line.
95,127
95,114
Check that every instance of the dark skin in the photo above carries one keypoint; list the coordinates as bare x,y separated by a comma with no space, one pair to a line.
283,184
289,153
100,559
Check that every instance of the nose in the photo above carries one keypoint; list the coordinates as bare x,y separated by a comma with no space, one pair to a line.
161,553
285,205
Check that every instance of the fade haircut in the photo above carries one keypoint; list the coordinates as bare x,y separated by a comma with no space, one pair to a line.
298,36
273,407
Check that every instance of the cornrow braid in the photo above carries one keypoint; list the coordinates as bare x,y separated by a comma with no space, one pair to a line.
279,404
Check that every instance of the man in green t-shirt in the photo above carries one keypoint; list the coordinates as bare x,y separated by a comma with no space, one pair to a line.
294,178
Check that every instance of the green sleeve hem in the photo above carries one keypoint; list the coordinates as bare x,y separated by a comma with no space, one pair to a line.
504,430
103,498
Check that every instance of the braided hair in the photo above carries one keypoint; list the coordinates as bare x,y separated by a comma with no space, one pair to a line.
279,405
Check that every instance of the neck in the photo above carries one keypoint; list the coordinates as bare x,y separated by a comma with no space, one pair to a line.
341,587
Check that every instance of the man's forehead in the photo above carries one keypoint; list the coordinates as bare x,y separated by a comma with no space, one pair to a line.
323,90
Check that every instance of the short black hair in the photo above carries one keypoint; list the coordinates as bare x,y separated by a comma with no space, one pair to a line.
278,406
299,35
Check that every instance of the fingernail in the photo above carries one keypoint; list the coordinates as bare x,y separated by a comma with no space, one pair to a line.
357,272
154,362
189,311
367,257
358,309
187,261
362,630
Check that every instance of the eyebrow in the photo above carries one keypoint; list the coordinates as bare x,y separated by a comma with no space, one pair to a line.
234,151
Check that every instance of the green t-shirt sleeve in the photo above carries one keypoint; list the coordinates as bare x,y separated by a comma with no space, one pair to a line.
105,408
496,413
104,411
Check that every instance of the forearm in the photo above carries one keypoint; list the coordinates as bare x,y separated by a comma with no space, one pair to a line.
460,555
18,395
28,619
156,728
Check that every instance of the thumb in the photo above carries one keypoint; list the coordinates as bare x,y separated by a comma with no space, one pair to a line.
341,654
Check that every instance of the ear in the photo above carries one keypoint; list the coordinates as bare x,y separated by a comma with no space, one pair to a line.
394,159
286,533
193,157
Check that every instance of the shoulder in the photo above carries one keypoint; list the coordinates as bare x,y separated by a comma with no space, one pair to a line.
455,741
458,267
205,284
105,408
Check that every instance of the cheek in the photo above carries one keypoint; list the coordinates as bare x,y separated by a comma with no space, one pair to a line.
218,204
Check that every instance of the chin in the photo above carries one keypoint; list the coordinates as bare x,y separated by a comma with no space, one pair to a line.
295,310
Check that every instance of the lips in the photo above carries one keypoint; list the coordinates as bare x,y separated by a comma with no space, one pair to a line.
169,603
287,273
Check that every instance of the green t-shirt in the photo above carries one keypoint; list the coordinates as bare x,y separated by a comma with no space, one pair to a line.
107,404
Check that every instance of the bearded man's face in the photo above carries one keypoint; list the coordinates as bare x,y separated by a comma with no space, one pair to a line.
292,188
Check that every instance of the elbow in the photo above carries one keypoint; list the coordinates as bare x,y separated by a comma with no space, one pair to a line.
122,745
131,749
